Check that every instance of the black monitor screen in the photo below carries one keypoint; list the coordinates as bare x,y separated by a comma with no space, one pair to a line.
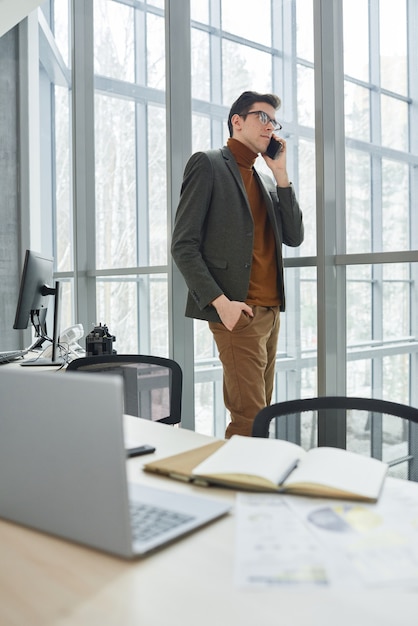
35,289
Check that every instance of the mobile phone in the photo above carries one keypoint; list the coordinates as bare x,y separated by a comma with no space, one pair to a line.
139,450
274,148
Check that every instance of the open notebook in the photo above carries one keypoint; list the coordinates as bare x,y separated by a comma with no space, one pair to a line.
63,467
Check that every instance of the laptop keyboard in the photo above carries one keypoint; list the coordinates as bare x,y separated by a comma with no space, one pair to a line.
149,521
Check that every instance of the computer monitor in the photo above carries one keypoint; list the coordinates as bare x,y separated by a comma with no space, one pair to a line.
34,296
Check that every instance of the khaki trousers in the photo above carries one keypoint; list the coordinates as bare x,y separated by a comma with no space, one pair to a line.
248,355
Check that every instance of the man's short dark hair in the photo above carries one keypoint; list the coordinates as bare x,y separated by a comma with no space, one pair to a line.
246,100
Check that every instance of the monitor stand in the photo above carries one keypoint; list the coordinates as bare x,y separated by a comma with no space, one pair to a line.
54,359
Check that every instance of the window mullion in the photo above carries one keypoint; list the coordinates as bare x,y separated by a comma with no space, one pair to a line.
330,202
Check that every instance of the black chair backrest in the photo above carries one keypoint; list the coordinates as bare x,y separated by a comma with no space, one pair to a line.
265,416
152,385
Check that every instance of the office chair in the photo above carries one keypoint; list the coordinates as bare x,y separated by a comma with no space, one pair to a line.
152,385
338,405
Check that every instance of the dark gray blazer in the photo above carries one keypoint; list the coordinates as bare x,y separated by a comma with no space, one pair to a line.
212,241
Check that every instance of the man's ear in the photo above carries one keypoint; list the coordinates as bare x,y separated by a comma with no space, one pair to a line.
236,121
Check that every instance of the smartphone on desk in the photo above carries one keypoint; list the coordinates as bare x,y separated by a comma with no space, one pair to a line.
274,148
139,450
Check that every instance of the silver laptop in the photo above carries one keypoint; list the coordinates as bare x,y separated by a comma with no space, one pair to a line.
63,467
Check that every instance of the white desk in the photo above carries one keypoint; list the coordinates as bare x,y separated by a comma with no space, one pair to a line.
48,582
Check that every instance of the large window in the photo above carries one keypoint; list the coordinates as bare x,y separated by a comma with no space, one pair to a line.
381,178
111,240
130,174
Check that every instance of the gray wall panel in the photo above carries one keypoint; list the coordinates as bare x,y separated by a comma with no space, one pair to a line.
10,254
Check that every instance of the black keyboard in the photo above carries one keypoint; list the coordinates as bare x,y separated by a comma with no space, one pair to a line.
12,355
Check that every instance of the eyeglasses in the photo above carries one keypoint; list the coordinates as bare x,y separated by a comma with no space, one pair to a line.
264,119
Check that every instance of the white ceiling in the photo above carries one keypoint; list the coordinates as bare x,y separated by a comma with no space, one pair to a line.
14,11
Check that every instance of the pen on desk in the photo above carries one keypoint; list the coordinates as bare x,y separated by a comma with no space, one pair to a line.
288,472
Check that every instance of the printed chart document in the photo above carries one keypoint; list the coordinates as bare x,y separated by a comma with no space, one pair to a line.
321,542
372,545
257,464
273,547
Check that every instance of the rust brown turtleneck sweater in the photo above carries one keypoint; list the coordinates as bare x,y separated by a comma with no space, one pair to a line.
262,290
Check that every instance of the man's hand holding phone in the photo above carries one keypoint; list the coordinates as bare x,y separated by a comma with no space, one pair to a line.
272,156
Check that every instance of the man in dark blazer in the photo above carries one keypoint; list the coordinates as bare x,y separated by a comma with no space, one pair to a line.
227,241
